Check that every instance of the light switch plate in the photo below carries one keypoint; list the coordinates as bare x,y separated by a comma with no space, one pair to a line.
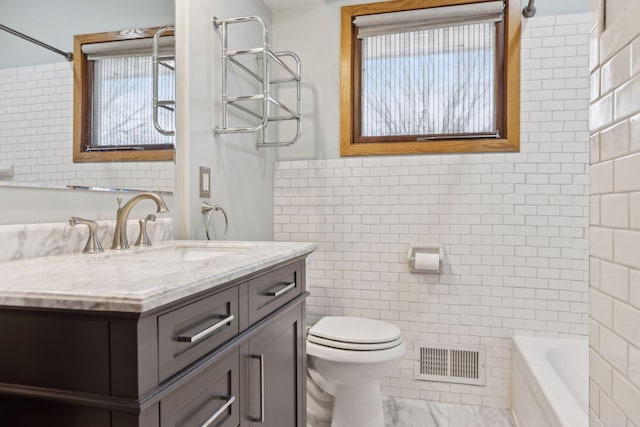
205,182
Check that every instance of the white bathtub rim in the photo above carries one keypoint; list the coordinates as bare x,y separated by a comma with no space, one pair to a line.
565,407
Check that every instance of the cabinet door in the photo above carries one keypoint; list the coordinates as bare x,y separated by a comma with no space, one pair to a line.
274,366
209,399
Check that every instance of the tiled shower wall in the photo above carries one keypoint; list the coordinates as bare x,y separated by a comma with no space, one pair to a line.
36,135
513,227
614,358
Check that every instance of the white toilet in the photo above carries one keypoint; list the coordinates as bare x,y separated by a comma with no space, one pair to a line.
347,358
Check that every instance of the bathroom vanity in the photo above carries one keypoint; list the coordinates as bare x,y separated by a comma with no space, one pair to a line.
180,334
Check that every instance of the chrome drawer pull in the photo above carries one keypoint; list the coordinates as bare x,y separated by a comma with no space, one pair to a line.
202,334
219,412
284,290
260,419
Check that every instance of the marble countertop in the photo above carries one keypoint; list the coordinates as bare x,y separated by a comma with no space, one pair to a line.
136,279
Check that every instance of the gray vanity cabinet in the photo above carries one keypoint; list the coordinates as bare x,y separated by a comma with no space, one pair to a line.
208,399
231,356
275,373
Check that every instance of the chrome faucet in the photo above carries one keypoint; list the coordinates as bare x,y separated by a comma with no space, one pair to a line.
143,237
93,243
120,240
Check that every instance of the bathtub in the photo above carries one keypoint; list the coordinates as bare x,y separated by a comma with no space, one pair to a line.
550,382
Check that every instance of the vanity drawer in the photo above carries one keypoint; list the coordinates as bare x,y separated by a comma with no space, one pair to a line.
210,398
271,291
190,332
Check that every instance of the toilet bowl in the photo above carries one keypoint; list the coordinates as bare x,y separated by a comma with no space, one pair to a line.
348,356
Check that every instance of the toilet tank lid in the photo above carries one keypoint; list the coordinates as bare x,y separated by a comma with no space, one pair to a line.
355,330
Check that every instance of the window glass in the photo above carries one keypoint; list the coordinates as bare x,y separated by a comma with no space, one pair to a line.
122,107
432,82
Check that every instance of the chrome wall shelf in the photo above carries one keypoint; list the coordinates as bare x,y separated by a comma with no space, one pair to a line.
263,107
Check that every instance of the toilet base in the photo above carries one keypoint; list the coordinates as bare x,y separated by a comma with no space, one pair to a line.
358,406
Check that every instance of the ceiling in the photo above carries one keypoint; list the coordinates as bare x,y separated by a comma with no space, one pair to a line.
543,7
292,4
559,7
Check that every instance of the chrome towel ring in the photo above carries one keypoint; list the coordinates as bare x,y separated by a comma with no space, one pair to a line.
208,210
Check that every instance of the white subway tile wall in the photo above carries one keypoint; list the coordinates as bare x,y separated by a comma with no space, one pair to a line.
514,227
36,135
615,221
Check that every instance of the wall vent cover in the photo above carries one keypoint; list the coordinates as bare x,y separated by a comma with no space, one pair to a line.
451,363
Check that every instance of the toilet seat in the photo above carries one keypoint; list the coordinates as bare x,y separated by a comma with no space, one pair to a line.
354,333
357,358
341,345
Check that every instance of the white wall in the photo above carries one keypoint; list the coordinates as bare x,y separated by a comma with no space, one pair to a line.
513,226
314,33
615,217
36,136
27,205
615,8
242,177
56,22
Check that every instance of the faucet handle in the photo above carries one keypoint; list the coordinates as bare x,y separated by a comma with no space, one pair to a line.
93,243
143,237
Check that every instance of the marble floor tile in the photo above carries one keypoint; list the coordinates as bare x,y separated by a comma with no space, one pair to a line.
411,413
418,413
319,405
405,413
496,417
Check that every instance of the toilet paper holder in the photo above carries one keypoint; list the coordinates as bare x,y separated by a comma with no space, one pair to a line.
428,250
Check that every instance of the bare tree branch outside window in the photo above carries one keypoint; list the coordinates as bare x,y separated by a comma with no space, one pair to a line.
122,106
432,82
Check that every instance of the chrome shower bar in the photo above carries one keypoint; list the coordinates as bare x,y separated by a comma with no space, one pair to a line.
68,55
529,10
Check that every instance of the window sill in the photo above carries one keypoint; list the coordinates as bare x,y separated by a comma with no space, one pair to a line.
451,146
123,156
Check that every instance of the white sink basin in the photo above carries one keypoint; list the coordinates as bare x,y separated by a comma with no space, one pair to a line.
187,254
181,252
169,252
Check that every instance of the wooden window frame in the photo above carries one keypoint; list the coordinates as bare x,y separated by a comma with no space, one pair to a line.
82,88
350,110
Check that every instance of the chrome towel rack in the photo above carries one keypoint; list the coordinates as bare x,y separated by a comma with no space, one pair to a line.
168,61
265,99
208,210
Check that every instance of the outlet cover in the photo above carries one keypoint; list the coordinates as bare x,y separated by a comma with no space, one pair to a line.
205,182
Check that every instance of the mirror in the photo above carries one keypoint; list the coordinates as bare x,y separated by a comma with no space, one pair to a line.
36,94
